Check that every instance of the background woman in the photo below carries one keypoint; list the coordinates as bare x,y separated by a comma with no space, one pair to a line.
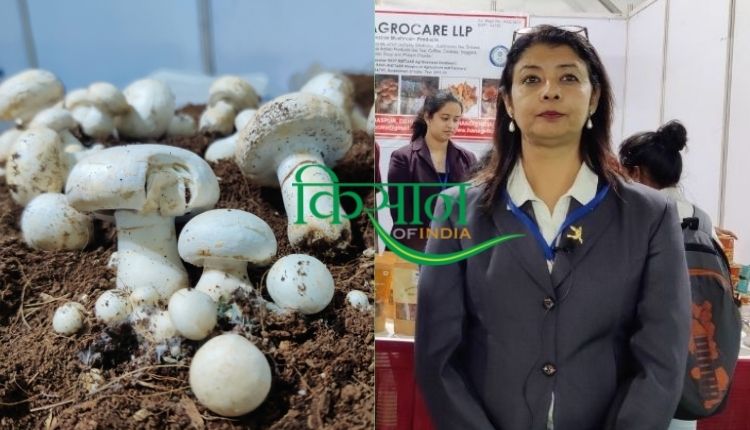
429,157
583,323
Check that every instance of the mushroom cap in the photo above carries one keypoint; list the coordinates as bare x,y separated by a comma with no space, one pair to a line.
227,234
77,97
112,307
28,92
49,223
358,299
243,117
107,97
300,282
35,165
193,313
55,118
295,123
68,318
335,86
152,107
230,376
235,91
133,177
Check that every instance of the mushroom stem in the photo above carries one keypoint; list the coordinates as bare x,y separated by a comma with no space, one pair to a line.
147,253
221,278
309,228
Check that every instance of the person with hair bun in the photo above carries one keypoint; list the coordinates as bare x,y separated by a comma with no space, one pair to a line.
430,157
653,158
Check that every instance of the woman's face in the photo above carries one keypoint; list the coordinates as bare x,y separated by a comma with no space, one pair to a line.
552,96
444,122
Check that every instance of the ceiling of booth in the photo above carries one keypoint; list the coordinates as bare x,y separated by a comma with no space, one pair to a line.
533,7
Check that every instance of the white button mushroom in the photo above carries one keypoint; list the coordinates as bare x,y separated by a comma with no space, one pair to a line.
223,241
152,108
358,299
230,376
182,124
288,134
340,90
8,138
68,318
193,313
160,327
300,282
61,121
50,223
26,93
36,165
112,307
224,148
146,186
227,96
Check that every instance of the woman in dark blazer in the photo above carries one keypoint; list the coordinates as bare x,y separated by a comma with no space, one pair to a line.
583,323
431,157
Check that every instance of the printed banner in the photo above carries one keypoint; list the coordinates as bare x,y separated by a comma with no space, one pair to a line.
419,53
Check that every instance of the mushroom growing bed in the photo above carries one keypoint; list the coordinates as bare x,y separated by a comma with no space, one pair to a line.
322,365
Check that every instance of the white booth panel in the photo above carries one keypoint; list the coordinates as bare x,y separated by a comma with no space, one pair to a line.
12,51
694,88
737,200
609,37
83,41
644,69
285,37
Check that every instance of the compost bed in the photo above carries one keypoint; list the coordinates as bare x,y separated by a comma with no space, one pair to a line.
322,365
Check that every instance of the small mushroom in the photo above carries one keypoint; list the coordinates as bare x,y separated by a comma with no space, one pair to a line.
193,313
152,108
112,307
290,133
182,124
230,376
96,108
160,327
36,165
28,92
60,120
300,282
146,186
224,148
68,318
358,299
48,222
227,96
223,241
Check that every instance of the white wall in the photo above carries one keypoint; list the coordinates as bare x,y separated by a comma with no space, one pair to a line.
609,37
282,37
83,41
644,69
737,199
694,92
12,52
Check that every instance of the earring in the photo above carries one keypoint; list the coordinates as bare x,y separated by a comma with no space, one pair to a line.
589,124
512,126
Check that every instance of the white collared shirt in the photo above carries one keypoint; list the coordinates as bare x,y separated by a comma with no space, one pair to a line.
684,207
520,191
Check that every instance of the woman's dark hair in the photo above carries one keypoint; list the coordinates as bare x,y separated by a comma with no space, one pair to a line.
431,105
658,152
595,143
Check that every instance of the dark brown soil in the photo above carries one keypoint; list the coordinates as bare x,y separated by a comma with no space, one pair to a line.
322,365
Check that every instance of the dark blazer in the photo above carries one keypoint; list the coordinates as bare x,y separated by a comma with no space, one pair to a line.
607,331
412,163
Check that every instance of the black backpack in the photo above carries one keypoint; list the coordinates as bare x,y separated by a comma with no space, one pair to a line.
716,323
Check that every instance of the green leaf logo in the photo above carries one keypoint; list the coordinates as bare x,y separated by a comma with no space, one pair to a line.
426,259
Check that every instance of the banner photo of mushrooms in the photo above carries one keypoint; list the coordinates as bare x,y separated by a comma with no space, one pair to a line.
151,274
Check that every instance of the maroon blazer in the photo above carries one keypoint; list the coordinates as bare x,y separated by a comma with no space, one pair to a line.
412,163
